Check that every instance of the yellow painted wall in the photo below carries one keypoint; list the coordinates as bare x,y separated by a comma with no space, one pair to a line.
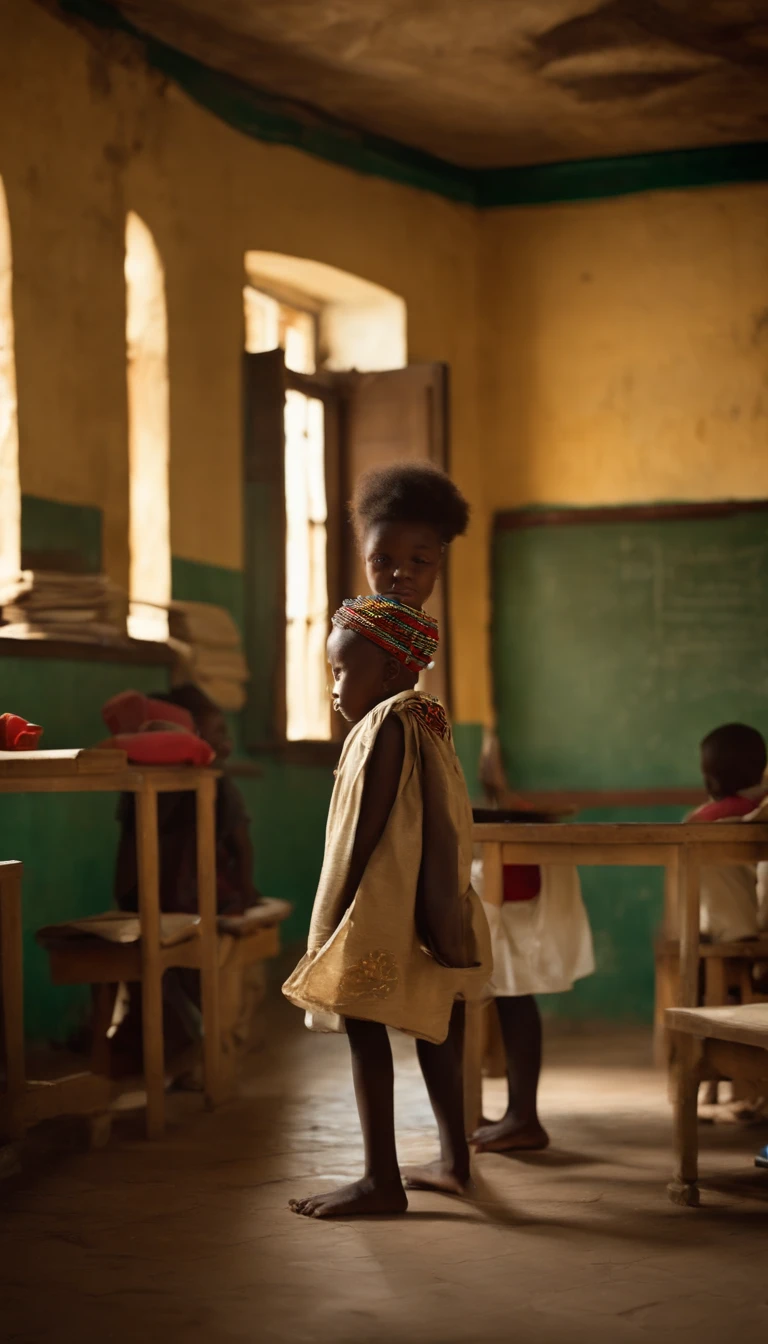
600,353
625,349
88,137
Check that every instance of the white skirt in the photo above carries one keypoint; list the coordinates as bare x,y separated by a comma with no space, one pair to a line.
540,946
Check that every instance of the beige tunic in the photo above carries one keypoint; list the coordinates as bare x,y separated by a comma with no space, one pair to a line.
370,961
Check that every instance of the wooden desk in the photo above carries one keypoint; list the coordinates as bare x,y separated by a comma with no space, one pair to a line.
679,848
96,771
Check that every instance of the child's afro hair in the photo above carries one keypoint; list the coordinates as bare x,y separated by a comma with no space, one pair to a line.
735,756
410,492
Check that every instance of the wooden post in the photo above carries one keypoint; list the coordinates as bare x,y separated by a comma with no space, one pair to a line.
671,920
474,1036
12,981
683,1188
209,961
689,882
151,966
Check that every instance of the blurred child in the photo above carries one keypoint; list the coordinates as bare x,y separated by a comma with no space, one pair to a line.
733,763
235,890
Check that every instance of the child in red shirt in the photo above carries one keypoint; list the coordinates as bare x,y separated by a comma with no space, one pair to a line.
733,763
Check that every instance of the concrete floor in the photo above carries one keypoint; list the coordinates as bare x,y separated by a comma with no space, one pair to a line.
190,1239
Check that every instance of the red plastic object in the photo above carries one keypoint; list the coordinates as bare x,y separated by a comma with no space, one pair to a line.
130,710
16,734
171,748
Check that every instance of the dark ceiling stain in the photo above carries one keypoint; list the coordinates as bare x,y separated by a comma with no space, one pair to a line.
635,84
642,26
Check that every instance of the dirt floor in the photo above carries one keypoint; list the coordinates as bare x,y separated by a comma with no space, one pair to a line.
190,1238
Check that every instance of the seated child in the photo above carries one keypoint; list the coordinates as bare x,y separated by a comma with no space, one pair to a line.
405,516
733,763
398,937
178,877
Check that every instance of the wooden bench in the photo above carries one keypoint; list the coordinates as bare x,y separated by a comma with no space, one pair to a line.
105,950
710,1043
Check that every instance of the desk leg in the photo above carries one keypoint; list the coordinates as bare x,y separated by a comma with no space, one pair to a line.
151,967
209,959
12,982
689,882
683,1188
667,979
671,921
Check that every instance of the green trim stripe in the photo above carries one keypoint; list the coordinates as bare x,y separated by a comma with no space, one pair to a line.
274,121
600,179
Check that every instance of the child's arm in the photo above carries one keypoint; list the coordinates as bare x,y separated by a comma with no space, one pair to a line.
382,781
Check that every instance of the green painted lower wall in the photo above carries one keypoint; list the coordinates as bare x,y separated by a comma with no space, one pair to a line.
468,740
193,581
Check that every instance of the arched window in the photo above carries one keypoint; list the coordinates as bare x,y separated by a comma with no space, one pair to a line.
148,434
10,494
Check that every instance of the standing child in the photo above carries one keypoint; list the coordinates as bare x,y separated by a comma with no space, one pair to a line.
542,944
405,517
397,937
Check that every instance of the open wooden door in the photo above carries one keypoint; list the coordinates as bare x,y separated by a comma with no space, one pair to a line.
399,416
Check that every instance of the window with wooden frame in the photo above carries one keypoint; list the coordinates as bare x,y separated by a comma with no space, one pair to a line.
307,436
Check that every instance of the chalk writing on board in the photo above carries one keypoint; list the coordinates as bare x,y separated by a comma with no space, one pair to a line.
708,610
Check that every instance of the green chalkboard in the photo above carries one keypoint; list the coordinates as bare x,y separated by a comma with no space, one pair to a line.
620,641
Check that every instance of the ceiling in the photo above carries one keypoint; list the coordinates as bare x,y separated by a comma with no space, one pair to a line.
491,83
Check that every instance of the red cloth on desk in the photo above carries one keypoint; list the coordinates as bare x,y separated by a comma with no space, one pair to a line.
16,734
171,748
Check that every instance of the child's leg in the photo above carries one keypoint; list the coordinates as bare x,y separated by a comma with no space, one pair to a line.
381,1189
520,1129
443,1070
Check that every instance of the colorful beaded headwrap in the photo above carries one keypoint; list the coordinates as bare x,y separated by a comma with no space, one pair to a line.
409,635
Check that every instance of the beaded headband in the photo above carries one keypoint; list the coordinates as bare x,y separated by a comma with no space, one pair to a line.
409,635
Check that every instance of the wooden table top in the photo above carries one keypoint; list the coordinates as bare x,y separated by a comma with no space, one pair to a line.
91,770
620,833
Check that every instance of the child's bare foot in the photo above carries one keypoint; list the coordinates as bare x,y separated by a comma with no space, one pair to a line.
509,1136
354,1201
440,1176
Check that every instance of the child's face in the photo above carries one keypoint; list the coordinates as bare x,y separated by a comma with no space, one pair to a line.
213,729
403,560
363,674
